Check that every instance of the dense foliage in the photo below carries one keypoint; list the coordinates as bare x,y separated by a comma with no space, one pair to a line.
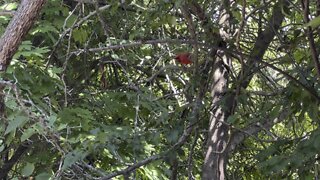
94,89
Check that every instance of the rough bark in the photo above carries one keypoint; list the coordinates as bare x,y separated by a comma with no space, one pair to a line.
218,136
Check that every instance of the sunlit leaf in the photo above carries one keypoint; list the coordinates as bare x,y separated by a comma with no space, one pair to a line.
314,22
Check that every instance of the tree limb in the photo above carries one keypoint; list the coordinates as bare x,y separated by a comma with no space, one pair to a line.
314,53
4,170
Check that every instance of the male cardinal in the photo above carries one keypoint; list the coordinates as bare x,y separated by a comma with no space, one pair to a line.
184,58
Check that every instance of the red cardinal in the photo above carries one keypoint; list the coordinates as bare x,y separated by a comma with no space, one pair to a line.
184,58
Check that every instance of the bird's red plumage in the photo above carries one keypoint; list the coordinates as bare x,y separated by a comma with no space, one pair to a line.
184,58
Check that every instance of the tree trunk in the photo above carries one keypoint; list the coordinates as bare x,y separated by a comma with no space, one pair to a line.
217,152
19,26
216,156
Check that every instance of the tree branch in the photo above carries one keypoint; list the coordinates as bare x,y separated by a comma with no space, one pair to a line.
138,43
14,159
253,129
262,43
7,13
314,53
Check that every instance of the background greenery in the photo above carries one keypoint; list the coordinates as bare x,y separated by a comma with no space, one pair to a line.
91,94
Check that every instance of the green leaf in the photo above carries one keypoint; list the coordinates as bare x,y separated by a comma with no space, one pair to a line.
27,133
14,124
171,20
43,176
10,137
314,22
2,147
73,157
275,112
80,35
71,20
28,169
76,116
44,28
52,119
231,119
40,51
9,6
173,136
25,45
55,70
11,104
62,127
26,49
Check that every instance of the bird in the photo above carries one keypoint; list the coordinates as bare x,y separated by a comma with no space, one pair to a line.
184,58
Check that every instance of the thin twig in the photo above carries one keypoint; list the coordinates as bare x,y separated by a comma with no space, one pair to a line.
305,87
7,13
78,24
190,157
139,43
